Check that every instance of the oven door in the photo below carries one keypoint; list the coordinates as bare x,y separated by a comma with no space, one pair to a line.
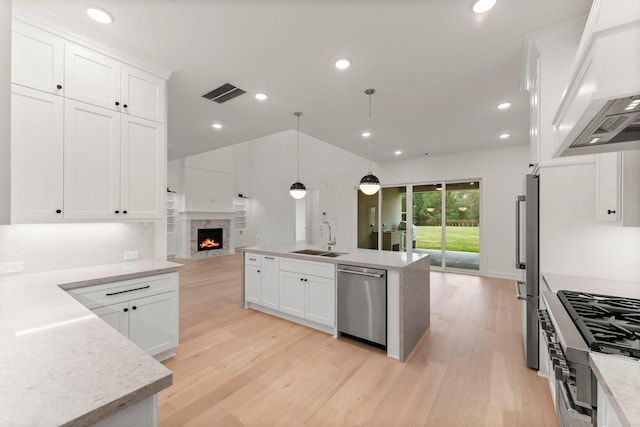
570,415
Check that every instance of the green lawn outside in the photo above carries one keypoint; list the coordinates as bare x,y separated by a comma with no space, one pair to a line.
465,239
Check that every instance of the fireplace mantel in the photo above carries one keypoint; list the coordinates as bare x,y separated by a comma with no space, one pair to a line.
189,215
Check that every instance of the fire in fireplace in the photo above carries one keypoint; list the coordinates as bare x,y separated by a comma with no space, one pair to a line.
209,239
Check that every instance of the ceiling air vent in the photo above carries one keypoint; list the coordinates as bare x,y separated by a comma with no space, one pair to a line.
224,93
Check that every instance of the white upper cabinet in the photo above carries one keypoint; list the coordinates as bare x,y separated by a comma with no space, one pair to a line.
103,81
142,94
618,188
37,59
91,162
142,178
36,153
91,77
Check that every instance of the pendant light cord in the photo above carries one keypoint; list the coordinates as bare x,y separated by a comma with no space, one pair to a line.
370,92
298,114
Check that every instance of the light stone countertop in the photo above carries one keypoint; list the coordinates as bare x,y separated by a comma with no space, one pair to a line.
557,282
618,376
61,364
362,257
620,379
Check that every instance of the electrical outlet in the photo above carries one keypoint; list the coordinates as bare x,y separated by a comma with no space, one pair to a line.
11,267
130,255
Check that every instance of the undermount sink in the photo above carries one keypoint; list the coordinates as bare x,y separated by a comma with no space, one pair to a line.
319,253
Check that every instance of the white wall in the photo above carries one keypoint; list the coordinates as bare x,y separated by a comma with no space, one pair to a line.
501,172
5,109
47,247
335,173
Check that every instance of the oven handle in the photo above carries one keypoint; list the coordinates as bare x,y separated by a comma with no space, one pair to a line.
571,408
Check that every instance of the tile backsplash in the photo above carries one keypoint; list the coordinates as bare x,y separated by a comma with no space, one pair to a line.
47,247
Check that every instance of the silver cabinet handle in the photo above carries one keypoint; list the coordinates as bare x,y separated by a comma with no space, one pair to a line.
519,199
360,273
571,409
522,296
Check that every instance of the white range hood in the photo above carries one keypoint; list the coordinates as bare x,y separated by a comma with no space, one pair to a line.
600,110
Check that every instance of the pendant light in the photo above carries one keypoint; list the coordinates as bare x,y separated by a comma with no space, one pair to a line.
369,184
298,190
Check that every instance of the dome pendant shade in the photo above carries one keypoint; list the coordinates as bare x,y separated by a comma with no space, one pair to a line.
297,190
369,184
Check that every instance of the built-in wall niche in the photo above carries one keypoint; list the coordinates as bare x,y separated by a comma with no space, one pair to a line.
209,239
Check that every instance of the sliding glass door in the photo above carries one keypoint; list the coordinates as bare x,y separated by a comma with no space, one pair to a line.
462,231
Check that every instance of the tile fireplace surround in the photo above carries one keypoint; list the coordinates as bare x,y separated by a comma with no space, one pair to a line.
190,222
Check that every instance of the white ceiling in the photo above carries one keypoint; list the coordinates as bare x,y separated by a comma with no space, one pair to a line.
439,70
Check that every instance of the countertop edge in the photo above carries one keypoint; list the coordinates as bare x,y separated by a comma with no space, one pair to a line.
595,361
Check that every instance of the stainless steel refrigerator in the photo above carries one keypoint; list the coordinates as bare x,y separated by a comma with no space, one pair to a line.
527,259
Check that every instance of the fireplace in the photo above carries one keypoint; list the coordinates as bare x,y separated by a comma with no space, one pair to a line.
209,239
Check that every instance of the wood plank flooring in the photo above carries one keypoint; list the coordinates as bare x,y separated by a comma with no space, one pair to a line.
237,367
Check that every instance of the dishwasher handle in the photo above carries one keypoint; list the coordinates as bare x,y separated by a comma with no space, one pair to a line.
360,273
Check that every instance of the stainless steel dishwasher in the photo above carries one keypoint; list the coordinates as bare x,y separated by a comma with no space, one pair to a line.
362,303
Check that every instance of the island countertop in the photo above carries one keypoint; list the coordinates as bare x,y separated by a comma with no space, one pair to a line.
362,257
61,364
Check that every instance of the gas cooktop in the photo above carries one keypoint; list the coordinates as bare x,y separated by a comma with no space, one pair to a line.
609,324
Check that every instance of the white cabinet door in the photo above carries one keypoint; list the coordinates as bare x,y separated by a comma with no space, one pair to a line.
142,94
36,155
252,280
320,300
92,77
91,162
153,322
608,187
116,315
37,59
292,293
142,165
270,285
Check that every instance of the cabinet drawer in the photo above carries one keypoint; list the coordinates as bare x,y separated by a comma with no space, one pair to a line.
311,268
253,259
112,293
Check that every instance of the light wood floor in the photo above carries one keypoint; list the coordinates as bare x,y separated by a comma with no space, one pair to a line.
237,367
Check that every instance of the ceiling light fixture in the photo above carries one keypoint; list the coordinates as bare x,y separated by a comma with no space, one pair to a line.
298,190
261,96
504,105
366,134
504,136
397,152
482,6
100,15
216,126
342,64
369,184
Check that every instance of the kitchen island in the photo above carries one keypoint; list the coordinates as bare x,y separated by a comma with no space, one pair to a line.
618,377
408,289
64,366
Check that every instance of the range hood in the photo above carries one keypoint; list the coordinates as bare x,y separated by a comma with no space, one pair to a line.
600,110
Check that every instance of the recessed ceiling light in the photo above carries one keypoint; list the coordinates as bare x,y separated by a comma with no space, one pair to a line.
472,183
216,126
100,15
342,64
366,134
594,140
261,96
504,136
397,152
481,6
504,105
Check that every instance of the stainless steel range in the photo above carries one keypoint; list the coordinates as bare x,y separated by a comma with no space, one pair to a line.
574,324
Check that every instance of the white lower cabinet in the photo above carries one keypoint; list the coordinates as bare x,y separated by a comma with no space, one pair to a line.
142,414
261,280
144,310
307,290
607,416
297,289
